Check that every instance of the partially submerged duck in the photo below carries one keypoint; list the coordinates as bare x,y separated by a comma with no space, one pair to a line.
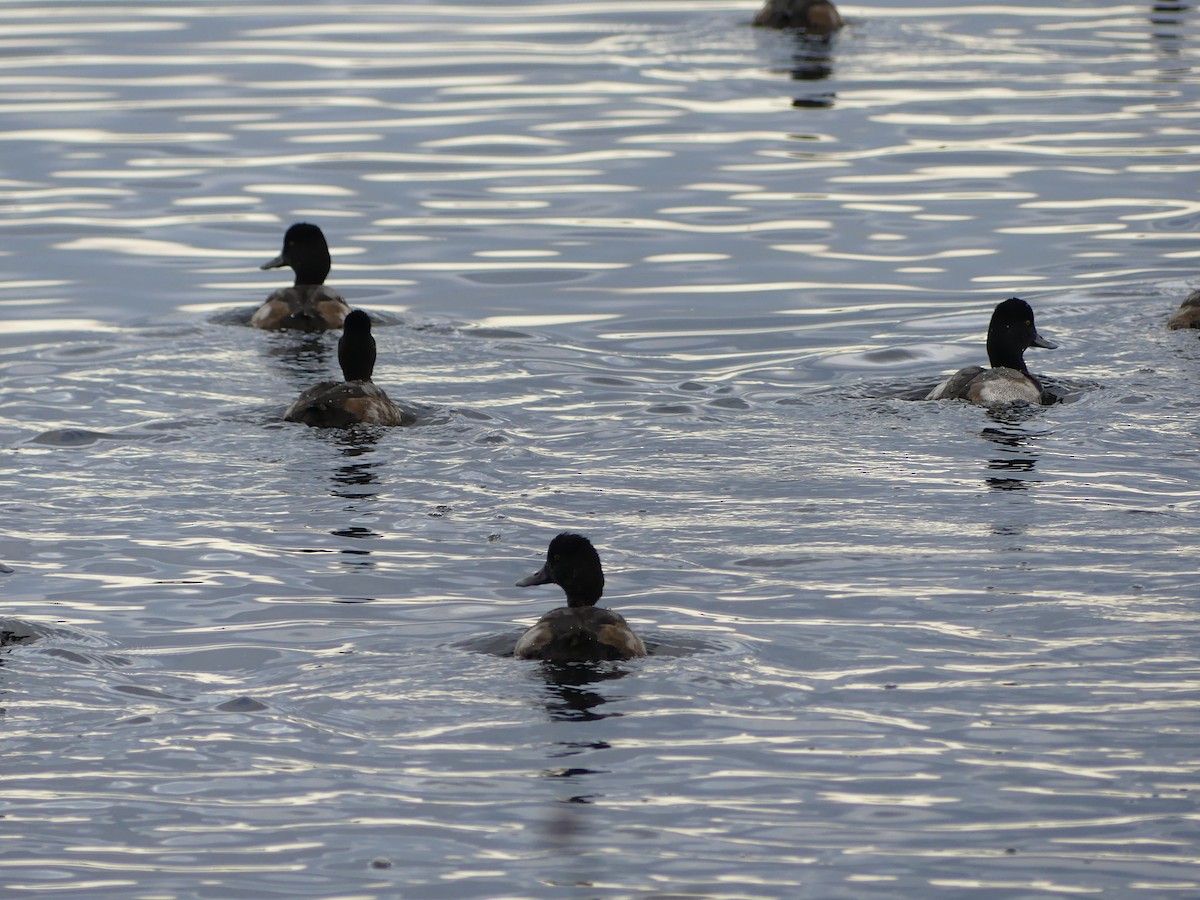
309,304
336,404
579,631
1010,333
1189,313
813,16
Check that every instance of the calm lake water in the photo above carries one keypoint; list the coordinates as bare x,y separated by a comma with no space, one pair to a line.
663,279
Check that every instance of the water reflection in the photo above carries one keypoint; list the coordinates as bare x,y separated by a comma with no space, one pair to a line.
301,357
813,61
1167,21
566,699
356,480
1016,458
14,633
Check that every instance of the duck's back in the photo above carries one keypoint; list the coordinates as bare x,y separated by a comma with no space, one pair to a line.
337,404
1189,313
955,387
815,16
999,386
580,634
302,307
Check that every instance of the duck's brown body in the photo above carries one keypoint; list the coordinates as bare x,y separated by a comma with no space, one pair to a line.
303,307
1189,313
337,404
570,633
813,16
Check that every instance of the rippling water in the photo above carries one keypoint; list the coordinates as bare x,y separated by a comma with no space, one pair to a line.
660,278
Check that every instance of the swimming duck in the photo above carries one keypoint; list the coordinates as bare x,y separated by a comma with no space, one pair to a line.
309,305
1189,313
1010,333
336,404
579,631
813,16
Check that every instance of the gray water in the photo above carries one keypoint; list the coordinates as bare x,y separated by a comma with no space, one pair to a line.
659,278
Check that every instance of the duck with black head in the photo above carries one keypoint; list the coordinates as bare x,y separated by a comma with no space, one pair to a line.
1010,333
355,399
813,16
309,304
579,631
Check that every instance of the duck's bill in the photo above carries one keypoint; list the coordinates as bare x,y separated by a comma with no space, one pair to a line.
1039,341
277,263
541,576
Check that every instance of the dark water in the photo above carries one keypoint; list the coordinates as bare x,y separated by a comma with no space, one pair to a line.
660,278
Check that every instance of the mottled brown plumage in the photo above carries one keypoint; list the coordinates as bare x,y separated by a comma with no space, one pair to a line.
579,631
813,16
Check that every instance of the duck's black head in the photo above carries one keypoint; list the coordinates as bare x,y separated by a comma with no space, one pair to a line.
574,565
356,347
305,250
1011,333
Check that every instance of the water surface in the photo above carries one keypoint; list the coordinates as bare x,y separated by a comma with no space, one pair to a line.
660,278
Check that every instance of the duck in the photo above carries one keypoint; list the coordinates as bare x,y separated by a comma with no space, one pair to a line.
355,399
1189,312
581,631
1010,333
813,16
309,304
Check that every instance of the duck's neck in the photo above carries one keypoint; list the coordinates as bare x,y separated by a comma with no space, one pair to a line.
312,271
356,355
1003,353
583,594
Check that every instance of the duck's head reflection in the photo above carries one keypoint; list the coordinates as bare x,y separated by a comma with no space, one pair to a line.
357,477
567,698
1016,456
1166,20
812,62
